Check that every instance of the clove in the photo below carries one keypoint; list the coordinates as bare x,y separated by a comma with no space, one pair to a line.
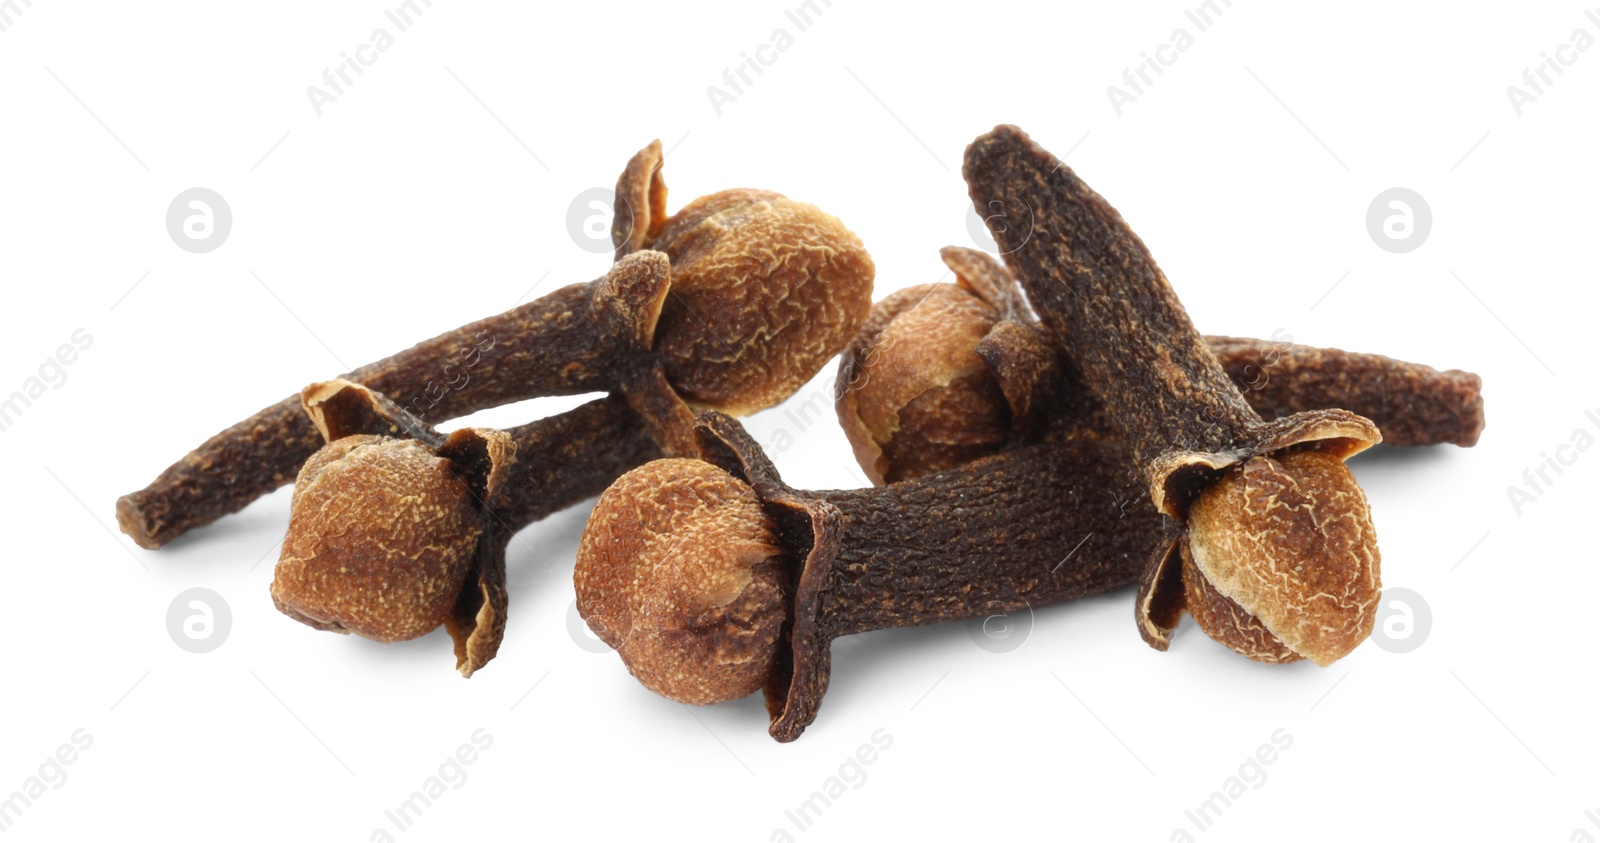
395,529
1275,529
713,579
731,303
925,384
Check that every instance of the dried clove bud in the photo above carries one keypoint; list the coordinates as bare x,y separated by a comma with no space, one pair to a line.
682,575
761,291
714,579
356,558
1193,435
1264,511
917,397
689,569
919,393
396,529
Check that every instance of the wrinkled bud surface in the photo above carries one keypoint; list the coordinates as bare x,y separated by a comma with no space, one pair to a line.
920,398
680,571
1228,622
765,290
381,537
1282,560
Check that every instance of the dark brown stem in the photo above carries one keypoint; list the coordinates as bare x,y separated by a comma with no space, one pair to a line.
578,339
1272,517
915,398
1110,309
763,290
1030,527
571,457
1101,294
1411,404
561,461
519,476
1006,533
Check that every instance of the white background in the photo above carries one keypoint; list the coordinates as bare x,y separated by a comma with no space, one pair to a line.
436,190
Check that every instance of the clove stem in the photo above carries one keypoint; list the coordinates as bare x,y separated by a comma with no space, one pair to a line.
549,346
1004,533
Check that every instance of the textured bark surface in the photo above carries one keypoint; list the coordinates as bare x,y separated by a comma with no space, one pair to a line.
761,292
568,458
1411,404
1029,527
905,415
546,347
1101,295
1119,325
1034,527
1121,329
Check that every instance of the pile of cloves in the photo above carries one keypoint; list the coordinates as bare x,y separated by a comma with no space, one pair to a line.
1042,429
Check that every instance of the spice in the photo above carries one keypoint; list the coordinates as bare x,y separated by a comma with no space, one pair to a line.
761,291
922,391
916,395
713,579
395,528
1411,404
1303,569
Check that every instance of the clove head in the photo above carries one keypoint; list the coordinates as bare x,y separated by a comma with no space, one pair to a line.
916,397
381,537
680,572
1282,559
765,290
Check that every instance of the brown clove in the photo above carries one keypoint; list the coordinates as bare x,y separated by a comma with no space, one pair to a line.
732,303
1274,523
713,579
922,386
692,570
395,529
